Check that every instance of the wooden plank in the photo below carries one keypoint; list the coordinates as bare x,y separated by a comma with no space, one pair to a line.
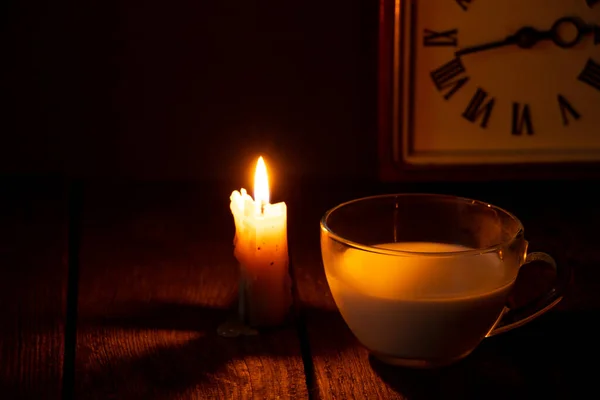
340,365
539,359
157,278
32,288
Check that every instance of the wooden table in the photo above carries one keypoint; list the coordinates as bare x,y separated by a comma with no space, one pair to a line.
116,290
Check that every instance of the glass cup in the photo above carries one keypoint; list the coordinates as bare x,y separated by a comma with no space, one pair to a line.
422,279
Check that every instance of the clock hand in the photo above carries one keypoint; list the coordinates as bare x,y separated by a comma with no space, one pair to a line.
528,36
512,39
525,38
581,29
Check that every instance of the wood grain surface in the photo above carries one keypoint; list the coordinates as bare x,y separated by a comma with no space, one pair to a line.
33,284
340,367
157,278
544,358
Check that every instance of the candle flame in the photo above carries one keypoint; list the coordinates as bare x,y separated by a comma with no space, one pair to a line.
261,184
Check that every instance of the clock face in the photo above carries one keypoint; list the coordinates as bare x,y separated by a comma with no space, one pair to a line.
500,81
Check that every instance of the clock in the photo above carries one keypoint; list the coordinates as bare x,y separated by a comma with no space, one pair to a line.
475,82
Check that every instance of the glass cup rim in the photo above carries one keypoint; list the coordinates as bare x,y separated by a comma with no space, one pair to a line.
392,252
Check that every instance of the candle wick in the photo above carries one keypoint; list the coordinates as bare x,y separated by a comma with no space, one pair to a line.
262,208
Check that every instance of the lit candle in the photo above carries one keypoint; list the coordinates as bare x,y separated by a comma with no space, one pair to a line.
261,249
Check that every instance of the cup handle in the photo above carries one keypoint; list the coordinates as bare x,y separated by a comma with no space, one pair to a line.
513,318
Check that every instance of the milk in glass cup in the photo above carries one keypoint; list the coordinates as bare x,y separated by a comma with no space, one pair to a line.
422,279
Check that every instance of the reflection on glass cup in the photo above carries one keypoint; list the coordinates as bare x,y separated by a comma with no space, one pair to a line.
422,279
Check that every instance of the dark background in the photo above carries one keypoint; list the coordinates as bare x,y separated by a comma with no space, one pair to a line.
196,90
188,89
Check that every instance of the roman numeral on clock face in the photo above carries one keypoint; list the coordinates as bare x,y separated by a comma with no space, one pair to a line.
464,4
451,76
478,110
521,119
591,74
444,38
566,109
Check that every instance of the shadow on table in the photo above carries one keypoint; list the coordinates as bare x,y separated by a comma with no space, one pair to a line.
546,359
157,350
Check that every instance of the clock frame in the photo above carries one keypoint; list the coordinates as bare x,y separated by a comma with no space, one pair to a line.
397,163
